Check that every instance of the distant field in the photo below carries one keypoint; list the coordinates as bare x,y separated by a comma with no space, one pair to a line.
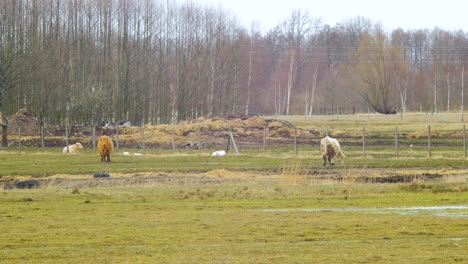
256,207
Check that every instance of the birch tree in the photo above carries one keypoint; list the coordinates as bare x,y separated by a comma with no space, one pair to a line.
295,30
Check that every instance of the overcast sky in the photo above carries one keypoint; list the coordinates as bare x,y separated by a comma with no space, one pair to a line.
407,14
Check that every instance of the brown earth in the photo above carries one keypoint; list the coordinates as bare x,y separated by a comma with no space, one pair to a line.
351,176
214,131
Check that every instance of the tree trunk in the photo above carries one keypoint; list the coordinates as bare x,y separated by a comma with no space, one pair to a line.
249,80
435,94
314,87
462,93
448,92
291,76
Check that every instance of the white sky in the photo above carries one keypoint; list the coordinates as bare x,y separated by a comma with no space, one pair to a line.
407,14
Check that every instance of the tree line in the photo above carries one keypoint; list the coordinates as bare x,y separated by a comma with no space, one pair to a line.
156,61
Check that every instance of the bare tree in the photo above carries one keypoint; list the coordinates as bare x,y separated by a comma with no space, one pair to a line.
373,70
295,31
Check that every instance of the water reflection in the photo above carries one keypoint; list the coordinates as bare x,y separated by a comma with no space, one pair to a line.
440,210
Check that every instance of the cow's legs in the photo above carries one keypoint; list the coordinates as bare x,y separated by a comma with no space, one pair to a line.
324,160
330,161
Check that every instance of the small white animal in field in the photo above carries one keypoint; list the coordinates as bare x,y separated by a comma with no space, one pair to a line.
219,153
137,154
126,153
411,145
331,150
72,149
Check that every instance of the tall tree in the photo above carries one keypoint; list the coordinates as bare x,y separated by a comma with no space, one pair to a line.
373,70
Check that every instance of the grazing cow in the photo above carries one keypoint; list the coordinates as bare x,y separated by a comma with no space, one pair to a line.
73,149
105,147
330,149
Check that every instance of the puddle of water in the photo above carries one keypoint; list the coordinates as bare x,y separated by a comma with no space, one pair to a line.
433,208
442,210
457,238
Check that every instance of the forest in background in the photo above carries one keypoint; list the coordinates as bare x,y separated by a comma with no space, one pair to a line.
156,61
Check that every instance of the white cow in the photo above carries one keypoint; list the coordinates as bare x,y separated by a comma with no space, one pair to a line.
330,149
72,149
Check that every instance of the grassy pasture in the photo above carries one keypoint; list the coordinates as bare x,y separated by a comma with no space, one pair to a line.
230,223
273,207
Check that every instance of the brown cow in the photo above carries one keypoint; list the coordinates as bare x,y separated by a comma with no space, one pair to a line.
105,147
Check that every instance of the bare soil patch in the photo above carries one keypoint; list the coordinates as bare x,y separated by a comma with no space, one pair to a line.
358,176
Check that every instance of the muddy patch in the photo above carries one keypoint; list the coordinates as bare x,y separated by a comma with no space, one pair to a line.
382,177
136,180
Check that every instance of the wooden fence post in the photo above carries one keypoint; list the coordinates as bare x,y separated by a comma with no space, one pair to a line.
199,139
228,144
429,141
94,137
295,140
396,141
143,135
464,140
117,142
42,136
66,137
19,139
233,141
173,140
364,142
264,139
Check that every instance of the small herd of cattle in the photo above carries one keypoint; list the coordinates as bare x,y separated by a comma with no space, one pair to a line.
105,147
329,148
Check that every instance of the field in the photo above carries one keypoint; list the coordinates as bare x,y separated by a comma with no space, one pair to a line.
255,207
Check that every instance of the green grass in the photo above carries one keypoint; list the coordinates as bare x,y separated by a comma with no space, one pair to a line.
35,163
270,207
229,224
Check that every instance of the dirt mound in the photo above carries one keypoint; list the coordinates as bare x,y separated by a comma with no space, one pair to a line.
214,131
25,121
210,131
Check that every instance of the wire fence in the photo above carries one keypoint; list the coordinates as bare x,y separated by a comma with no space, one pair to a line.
369,141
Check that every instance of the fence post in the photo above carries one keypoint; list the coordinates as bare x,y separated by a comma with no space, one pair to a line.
173,140
232,140
364,142
117,131
19,139
143,135
464,140
94,137
429,141
295,140
264,139
42,135
66,137
396,141
199,139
